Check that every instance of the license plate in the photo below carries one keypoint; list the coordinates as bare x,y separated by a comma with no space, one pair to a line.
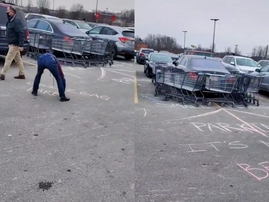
214,78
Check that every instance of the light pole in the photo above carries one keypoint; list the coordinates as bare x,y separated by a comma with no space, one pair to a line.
96,10
184,38
213,45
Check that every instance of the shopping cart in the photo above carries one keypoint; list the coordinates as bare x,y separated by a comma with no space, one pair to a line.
39,44
222,87
99,51
72,50
161,74
247,89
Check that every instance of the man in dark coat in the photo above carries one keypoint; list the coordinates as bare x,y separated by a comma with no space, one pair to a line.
50,62
15,38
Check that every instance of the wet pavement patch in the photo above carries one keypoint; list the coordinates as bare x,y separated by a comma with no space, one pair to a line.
45,185
35,134
68,170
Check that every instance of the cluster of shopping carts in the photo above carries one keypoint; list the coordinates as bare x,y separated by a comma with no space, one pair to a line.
197,87
75,51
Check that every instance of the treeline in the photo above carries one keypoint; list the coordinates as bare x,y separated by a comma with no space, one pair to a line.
77,12
162,42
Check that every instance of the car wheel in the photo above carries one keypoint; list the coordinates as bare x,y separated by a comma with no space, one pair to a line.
147,72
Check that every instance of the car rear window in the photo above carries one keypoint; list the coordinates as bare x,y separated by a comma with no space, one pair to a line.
70,29
205,63
128,34
147,51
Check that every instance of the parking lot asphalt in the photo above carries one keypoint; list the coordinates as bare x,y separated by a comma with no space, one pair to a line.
114,141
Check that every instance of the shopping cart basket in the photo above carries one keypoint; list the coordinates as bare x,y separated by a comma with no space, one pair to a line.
222,86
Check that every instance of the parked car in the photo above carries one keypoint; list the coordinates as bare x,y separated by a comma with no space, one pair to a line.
243,64
124,39
263,63
3,21
264,71
81,25
55,27
156,59
189,63
143,54
231,68
196,52
30,16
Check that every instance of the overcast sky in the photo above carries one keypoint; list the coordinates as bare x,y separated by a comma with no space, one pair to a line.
112,5
242,22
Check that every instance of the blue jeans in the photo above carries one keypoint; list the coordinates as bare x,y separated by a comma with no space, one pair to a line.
43,63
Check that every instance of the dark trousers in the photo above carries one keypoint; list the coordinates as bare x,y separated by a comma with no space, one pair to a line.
50,64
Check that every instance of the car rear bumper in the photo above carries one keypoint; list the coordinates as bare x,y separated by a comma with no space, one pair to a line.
125,50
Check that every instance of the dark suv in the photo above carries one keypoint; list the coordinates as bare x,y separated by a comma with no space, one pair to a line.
3,20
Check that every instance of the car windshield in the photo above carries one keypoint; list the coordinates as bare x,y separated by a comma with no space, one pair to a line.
246,62
203,54
69,29
84,25
204,63
161,58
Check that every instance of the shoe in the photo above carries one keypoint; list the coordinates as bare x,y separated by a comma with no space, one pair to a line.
64,99
34,93
19,77
2,76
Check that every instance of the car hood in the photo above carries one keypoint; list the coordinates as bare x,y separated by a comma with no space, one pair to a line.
246,68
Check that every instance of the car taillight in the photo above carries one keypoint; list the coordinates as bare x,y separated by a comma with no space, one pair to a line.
193,75
124,39
230,80
27,35
142,54
68,39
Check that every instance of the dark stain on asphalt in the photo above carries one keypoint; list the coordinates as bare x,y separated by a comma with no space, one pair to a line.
161,151
65,118
164,144
123,149
124,194
35,134
45,185
231,185
68,170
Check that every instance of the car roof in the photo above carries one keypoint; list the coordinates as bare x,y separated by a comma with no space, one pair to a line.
235,56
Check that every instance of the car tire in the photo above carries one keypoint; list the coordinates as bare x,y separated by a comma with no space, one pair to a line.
147,72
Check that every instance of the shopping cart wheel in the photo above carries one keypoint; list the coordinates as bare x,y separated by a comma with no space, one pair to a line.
258,103
209,104
222,104
233,105
196,104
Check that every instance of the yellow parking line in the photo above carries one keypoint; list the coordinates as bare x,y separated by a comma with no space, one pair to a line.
135,89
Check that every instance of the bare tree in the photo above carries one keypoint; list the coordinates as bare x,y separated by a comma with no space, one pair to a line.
62,12
199,47
29,6
75,11
44,6
162,42
228,50
236,50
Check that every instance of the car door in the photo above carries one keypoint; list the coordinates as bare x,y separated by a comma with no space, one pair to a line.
107,33
94,32
44,32
265,83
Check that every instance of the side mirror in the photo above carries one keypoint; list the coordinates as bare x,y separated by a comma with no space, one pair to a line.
257,70
232,63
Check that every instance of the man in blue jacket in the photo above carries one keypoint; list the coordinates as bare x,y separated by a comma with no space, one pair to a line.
50,62
15,38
